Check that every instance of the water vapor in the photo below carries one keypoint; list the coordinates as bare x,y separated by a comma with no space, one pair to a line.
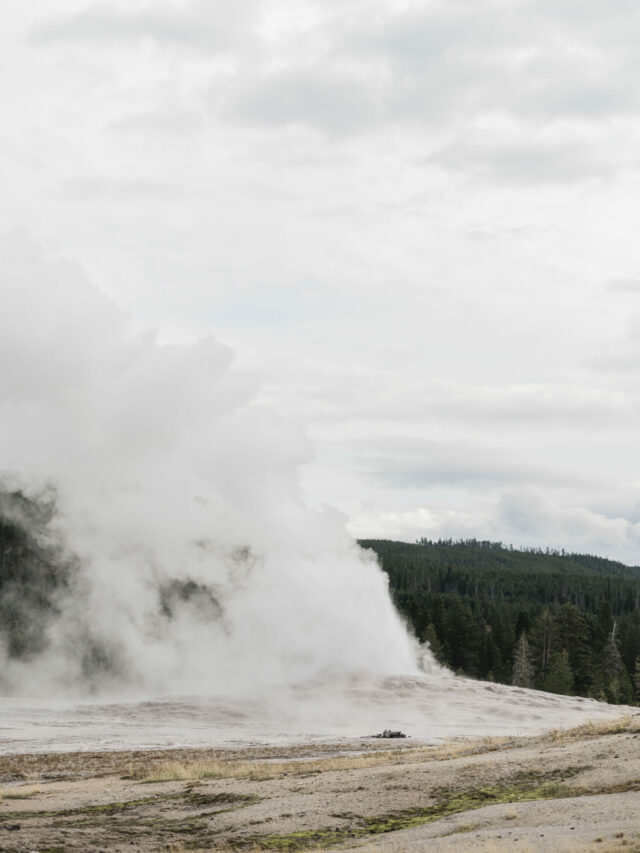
187,559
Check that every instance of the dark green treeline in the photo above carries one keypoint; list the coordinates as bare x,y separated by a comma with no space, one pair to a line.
566,623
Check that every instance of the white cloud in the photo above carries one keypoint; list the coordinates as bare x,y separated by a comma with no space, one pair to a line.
400,214
532,515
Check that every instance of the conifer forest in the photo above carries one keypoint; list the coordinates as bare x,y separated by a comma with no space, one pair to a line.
565,623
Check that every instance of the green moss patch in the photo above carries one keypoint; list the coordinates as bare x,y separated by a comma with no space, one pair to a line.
449,802
114,808
226,798
133,815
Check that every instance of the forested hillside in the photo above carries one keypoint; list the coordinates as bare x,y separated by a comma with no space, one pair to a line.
38,577
566,623
33,574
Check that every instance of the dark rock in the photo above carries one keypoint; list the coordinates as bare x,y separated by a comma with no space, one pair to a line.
389,733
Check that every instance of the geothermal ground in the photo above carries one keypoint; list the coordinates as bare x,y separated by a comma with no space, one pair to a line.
575,789
484,764
428,707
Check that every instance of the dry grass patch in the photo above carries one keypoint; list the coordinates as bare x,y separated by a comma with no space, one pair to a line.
34,767
24,792
464,746
251,762
257,771
486,846
627,723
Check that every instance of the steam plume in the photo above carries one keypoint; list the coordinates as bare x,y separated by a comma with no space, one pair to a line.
191,562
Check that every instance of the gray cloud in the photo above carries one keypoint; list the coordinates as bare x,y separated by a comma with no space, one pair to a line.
122,190
426,37
418,464
525,161
292,174
174,122
624,285
199,25
451,67
379,395
531,60
619,358
324,99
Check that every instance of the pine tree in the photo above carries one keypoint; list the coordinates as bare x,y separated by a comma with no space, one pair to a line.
523,671
431,637
636,680
541,646
630,641
560,676
571,633
605,619
490,657
617,686
462,639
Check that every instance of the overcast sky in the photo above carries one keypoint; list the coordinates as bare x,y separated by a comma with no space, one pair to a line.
416,222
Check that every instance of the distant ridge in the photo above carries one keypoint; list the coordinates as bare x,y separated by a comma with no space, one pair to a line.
482,553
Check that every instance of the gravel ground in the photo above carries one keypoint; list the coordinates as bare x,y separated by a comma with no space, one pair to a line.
559,791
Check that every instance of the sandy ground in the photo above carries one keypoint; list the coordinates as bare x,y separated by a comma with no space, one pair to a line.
577,790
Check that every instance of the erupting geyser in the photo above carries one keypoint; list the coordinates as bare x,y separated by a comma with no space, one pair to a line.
190,562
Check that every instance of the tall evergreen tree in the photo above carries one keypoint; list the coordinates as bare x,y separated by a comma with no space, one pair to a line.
523,671
605,619
630,639
636,680
435,645
571,634
462,638
542,646
491,665
559,679
616,682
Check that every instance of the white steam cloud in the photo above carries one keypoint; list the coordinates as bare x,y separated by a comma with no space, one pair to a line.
164,471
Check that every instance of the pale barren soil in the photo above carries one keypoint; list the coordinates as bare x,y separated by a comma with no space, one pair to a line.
576,790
